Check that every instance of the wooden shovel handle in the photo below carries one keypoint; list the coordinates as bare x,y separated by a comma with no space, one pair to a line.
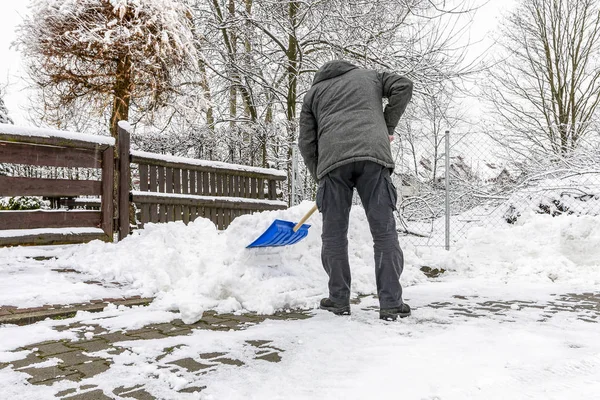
307,216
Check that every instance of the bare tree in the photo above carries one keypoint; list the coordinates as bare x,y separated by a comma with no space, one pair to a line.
545,88
113,54
279,45
422,143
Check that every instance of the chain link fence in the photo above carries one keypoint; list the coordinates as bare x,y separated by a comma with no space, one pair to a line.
470,180
451,182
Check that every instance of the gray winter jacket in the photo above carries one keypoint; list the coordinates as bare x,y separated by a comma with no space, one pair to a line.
343,120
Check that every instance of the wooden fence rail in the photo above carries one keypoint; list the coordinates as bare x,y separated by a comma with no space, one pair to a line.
47,148
163,189
183,189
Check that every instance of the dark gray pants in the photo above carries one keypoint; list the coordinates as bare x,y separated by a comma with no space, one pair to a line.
378,195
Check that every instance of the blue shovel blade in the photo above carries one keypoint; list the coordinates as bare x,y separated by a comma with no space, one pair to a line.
280,233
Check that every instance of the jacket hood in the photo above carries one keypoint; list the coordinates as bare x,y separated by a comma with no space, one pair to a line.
332,69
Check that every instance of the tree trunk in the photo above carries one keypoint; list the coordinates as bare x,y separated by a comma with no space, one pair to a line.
232,88
265,137
122,94
292,72
210,119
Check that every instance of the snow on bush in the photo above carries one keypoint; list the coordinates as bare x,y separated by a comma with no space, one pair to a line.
22,203
578,194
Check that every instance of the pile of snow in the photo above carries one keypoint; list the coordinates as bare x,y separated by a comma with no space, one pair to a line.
578,194
538,248
194,268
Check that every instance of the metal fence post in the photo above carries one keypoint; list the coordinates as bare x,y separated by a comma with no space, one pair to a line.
294,173
447,184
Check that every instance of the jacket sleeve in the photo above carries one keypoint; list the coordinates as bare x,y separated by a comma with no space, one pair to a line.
308,139
398,91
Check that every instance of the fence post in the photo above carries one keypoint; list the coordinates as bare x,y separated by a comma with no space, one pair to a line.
108,178
294,173
447,181
124,179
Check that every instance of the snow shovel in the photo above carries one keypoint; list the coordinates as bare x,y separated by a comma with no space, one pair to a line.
283,233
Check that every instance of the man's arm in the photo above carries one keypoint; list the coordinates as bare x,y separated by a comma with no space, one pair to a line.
308,139
398,90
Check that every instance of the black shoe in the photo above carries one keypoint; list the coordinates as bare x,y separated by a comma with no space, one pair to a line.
390,314
337,309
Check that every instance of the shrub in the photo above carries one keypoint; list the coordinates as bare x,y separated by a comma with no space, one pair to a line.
21,203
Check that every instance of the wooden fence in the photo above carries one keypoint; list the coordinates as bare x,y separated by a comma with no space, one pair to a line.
183,189
46,148
163,188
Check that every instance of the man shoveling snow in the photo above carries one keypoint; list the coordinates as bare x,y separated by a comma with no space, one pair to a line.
345,140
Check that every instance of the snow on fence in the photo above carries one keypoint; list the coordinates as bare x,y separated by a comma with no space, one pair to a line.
164,188
183,189
50,148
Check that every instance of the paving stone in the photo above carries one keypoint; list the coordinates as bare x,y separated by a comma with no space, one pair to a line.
294,315
65,392
190,364
122,389
71,377
135,332
29,360
208,356
179,332
116,337
39,375
271,357
230,324
74,357
62,328
93,395
170,329
164,327
249,318
91,346
93,368
116,351
192,389
149,335
209,318
258,343
273,348
139,395
50,349
228,361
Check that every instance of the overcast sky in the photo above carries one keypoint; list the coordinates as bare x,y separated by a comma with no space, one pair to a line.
484,22
10,71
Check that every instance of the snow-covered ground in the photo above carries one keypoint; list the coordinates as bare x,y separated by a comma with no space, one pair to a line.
440,352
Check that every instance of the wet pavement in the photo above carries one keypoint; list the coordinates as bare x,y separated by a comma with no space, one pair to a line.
93,351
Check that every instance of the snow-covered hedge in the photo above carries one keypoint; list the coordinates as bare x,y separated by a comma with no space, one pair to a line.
22,203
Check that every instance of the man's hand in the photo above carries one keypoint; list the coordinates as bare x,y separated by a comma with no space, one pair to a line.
391,137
